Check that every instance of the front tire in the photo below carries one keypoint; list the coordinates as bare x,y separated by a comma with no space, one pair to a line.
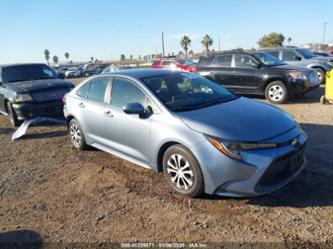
182,171
276,92
12,115
76,135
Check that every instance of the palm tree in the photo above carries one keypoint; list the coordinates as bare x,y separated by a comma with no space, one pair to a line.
185,42
47,56
67,55
55,60
207,41
289,41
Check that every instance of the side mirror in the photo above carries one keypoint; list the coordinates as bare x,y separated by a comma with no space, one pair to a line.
61,75
297,58
134,108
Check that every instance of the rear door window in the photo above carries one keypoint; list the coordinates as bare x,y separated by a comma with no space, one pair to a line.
244,61
97,89
223,60
288,55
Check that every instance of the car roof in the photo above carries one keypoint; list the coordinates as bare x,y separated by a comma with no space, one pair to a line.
20,64
143,73
249,52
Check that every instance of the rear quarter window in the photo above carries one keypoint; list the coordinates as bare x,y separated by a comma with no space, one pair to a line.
83,90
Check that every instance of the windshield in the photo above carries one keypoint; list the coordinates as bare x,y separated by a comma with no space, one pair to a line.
306,53
27,72
268,60
187,91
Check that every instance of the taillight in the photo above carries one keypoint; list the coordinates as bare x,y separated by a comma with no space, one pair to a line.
63,100
193,69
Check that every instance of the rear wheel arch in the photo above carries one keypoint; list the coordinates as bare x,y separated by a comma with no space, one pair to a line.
68,120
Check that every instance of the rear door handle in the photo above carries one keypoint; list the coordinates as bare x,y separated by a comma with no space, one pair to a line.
108,114
82,105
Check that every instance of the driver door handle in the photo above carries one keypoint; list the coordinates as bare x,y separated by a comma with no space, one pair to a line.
108,114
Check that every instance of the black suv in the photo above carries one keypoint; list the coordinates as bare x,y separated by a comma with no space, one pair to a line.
255,72
31,90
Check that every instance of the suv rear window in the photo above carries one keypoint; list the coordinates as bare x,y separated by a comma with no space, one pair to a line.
223,60
205,61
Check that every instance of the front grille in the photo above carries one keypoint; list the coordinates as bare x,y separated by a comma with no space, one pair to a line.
49,95
282,168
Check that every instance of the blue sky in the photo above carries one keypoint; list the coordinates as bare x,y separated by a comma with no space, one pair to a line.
106,28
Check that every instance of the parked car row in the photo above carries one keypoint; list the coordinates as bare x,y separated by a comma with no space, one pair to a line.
279,74
81,70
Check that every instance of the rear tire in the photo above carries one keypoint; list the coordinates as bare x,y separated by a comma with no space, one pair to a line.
276,92
182,171
12,115
321,74
76,135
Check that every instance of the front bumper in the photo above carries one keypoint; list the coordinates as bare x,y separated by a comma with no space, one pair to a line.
302,86
260,172
26,111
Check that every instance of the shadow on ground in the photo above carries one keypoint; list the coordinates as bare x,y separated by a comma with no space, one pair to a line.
6,130
20,239
51,134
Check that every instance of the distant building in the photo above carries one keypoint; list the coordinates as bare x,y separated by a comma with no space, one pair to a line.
317,46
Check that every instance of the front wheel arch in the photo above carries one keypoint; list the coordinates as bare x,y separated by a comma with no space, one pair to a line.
161,152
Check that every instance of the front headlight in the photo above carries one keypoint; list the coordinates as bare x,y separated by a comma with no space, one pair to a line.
296,75
23,98
233,149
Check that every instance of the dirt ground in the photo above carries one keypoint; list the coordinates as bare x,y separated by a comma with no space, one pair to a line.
52,193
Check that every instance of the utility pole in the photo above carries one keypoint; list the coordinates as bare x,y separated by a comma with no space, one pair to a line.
219,44
324,33
163,52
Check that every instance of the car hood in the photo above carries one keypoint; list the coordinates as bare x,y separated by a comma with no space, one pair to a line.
36,85
242,120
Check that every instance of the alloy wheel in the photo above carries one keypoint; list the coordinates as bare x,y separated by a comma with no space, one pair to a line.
180,172
76,135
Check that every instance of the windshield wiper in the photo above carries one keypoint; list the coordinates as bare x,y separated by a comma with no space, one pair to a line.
210,103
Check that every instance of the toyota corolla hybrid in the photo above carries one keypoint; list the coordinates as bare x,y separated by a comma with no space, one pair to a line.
203,137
